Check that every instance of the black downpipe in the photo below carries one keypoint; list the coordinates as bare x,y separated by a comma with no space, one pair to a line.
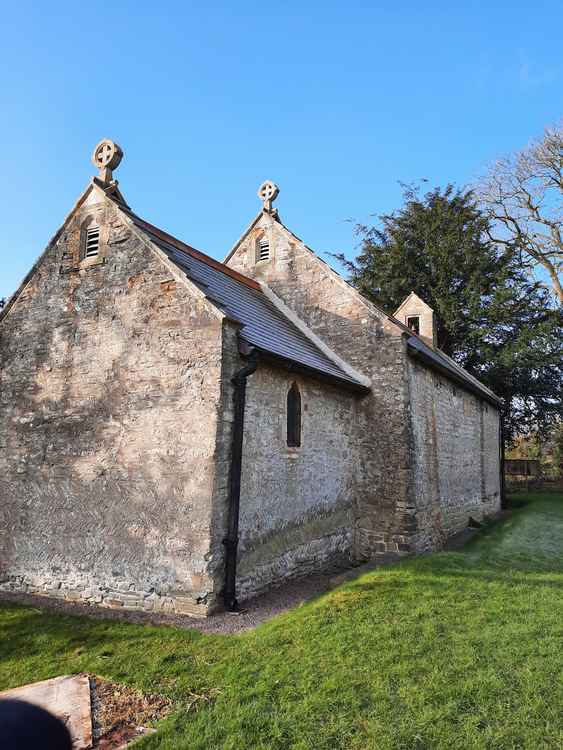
231,540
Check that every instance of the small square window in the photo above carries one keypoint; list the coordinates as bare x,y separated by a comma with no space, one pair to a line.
413,322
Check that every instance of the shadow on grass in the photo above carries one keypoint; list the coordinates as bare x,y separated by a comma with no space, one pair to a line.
516,502
37,645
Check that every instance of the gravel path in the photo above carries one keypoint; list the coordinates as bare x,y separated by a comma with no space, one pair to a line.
253,611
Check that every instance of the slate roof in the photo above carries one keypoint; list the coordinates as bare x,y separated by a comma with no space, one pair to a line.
416,346
263,325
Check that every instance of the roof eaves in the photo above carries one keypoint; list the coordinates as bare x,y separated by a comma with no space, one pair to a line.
161,240
426,351
294,366
467,374
438,361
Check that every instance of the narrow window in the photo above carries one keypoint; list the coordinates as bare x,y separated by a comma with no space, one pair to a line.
413,322
293,417
263,249
92,242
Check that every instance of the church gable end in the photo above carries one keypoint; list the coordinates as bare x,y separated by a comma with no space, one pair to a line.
110,374
365,338
312,290
390,435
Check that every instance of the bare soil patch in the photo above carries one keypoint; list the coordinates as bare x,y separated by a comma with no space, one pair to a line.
120,713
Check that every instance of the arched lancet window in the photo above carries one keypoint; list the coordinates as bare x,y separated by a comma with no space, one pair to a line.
294,417
90,239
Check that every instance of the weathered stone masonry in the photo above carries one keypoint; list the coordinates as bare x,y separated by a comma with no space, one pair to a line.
362,336
110,386
425,461
297,514
455,457
116,419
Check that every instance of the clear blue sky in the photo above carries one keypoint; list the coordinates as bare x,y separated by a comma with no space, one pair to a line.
336,102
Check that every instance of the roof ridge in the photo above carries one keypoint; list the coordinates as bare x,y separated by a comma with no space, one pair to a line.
263,324
183,247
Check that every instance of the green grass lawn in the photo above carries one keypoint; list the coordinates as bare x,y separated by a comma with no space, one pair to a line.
453,650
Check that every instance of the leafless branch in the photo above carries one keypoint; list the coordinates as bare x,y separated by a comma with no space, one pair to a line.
523,196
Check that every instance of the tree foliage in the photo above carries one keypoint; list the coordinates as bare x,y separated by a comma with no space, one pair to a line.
492,318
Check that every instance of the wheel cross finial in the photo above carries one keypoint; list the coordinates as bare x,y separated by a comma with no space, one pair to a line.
107,157
268,192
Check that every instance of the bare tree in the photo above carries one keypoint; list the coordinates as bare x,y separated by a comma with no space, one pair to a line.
523,195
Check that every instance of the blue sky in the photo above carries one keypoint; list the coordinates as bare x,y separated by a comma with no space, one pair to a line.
336,102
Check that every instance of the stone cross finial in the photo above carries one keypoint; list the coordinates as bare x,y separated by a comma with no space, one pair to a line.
107,157
268,192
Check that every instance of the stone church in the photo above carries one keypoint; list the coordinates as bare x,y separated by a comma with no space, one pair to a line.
177,433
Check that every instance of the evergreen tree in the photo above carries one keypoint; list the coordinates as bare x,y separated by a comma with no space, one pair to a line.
491,318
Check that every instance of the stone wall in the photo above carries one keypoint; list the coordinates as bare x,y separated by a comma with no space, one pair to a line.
116,418
426,459
365,338
455,457
490,458
296,514
110,384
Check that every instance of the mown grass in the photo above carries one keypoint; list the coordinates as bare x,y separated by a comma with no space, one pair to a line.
454,650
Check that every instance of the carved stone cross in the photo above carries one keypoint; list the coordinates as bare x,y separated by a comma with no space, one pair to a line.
107,157
268,192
